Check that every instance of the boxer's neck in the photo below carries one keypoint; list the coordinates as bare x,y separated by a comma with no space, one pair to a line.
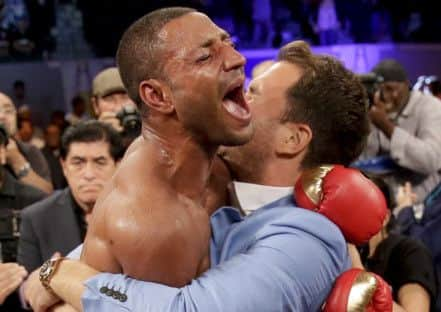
187,161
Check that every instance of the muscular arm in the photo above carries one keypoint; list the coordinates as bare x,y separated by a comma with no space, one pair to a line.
141,240
97,249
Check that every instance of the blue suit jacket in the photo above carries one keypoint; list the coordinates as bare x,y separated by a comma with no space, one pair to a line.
280,258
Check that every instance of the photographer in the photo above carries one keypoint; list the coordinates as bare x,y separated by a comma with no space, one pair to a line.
14,196
112,105
24,160
406,127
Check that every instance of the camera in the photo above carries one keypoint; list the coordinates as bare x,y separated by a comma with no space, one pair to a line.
130,121
371,83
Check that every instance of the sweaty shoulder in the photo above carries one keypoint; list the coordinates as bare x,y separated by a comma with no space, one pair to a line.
136,185
124,213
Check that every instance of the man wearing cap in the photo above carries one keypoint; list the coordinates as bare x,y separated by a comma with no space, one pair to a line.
14,196
109,96
407,127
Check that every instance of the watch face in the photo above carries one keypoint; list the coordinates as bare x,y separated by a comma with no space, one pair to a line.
46,269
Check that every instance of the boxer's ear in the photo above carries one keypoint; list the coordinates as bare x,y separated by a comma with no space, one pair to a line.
156,95
292,139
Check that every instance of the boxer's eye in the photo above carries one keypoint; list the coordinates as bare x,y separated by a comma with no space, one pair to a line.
203,58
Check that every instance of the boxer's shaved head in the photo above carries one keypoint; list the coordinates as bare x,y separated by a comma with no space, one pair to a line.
139,54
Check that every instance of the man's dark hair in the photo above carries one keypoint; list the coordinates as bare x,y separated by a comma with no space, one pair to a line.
332,101
92,131
138,56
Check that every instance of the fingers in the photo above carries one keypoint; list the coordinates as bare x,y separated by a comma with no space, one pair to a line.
377,99
31,286
110,118
405,196
11,270
36,295
11,145
13,284
409,192
56,255
11,276
355,256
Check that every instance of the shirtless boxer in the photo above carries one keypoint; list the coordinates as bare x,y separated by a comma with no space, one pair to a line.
150,222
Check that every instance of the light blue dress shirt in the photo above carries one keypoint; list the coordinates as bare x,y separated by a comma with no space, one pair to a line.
280,258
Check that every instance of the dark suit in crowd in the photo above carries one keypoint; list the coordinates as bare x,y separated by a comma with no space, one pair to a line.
55,224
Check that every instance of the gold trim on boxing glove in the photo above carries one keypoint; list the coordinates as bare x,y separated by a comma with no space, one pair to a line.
361,292
312,181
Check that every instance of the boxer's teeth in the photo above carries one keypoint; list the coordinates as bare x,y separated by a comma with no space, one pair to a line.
235,109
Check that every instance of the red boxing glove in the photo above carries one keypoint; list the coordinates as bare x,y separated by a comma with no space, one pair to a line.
346,197
358,290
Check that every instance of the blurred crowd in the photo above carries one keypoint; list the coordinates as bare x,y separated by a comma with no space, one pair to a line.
32,29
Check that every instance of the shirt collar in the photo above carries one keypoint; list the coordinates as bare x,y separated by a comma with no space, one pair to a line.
251,196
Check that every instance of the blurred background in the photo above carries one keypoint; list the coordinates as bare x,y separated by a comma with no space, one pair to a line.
54,48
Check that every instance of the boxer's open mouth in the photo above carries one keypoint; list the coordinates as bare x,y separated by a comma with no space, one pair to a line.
235,103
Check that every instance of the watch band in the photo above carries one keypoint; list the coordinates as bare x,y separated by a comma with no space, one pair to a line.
24,170
48,270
